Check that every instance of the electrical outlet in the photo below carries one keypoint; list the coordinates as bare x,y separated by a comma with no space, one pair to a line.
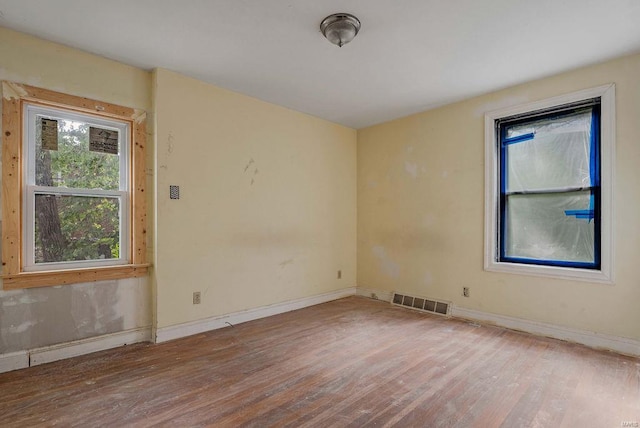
196,297
339,274
465,291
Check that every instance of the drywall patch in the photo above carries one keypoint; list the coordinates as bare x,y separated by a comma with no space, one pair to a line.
411,168
20,297
95,309
388,266
48,315
134,302
16,329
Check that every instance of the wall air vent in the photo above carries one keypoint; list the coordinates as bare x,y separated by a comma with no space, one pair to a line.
423,304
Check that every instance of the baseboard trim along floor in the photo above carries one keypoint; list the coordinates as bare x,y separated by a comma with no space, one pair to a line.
164,334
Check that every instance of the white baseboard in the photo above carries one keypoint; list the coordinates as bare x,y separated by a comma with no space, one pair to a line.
14,361
24,359
177,331
621,345
61,351
385,296
47,354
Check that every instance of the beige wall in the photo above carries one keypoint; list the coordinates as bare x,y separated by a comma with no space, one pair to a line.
421,208
267,207
44,316
267,210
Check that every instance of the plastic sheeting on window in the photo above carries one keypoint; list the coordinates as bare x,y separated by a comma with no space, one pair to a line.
549,178
557,157
538,227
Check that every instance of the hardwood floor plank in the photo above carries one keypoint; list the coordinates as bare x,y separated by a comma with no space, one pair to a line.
353,362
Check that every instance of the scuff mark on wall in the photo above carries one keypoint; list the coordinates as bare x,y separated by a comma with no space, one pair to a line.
388,266
248,164
285,263
251,173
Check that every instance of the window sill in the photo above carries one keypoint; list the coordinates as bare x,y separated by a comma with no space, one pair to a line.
596,276
72,276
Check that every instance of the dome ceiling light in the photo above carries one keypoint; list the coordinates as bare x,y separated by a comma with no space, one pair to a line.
340,28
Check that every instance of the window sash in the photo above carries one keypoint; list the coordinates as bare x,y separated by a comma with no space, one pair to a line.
30,189
503,257
503,145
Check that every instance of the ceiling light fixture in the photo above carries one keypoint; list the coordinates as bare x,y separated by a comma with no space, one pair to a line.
340,28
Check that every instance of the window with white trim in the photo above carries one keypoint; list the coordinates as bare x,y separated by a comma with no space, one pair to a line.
76,210
73,189
549,187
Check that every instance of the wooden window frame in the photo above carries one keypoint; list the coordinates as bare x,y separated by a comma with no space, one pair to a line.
14,96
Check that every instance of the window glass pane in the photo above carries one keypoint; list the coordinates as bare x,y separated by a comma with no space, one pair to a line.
557,157
72,228
555,226
64,156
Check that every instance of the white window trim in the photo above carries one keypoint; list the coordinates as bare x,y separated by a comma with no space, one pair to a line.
30,189
607,156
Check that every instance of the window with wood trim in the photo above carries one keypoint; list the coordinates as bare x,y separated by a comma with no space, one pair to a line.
73,202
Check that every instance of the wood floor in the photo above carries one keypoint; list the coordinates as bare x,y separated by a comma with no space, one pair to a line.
353,362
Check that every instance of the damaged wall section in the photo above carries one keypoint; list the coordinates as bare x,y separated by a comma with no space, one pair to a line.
40,317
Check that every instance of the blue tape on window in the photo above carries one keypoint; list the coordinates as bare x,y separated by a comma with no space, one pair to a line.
582,214
594,155
518,139
563,263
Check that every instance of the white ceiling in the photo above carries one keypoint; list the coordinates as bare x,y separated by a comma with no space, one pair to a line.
410,55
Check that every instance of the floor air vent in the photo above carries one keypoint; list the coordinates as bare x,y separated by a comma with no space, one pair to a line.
421,304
